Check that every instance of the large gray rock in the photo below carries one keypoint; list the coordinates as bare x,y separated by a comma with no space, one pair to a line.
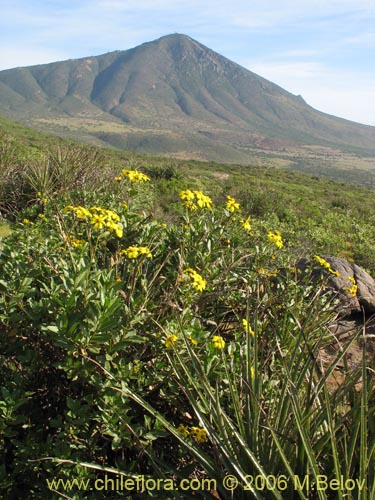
354,287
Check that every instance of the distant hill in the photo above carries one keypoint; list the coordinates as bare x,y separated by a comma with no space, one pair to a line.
172,96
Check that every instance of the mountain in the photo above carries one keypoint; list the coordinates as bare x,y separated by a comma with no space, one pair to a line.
172,95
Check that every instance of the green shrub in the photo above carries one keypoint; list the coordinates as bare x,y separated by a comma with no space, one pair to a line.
182,350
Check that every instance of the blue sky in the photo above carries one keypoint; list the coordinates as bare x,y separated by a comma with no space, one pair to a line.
321,49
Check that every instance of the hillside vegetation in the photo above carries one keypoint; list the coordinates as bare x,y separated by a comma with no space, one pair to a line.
154,329
309,209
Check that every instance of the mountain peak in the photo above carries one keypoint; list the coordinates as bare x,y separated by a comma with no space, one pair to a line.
174,36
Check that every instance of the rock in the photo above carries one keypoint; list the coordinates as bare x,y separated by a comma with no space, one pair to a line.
366,289
354,290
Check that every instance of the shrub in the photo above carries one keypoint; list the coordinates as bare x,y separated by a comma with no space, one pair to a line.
129,346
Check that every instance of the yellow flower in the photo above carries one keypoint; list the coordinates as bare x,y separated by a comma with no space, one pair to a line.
326,264
111,215
232,205
115,228
145,251
187,195
119,231
135,176
134,252
199,434
247,327
98,221
202,200
82,212
42,198
354,288
26,221
268,274
182,429
193,341
195,199
77,243
198,283
276,238
246,224
118,178
218,342
41,216
170,341
322,261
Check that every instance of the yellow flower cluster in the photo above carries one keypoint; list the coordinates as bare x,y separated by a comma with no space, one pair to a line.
195,199
218,342
232,205
80,212
247,327
246,224
77,243
42,198
99,218
184,430
136,366
326,265
198,283
276,238
134,252
135,176
267,274
198,433
354,288
170,341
